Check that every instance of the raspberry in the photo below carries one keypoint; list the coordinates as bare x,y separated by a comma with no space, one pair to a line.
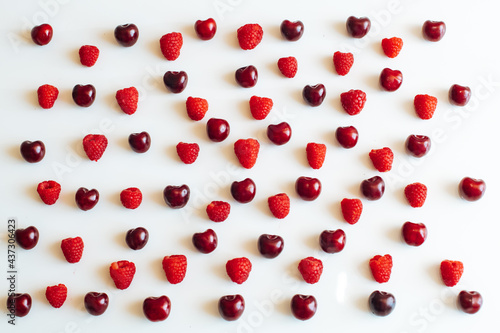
56,295
279,205
246,151
425,106
382,159
392,46
131,197
88,55
72,249
94,146
49,191
47,96
260,107
351,210
170,45
381,267
451,272
175,268
196,108
288,66
416,194
343,62
353,101
122,272
218,211
188,152
127,99
238,269
311,269
316,153
249,36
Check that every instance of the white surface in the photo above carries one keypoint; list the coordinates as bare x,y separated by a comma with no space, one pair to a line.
462,138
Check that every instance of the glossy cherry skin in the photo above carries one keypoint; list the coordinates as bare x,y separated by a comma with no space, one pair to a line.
205,242
32,151
418,145
433,30
126,34
414,234
176,196
471,189
314,95
96,303
137,238
390,80
381,303
469,301
347,136
332,241
27,238
270,246
243,191
42,34
175,82
303,306
19,304
459,95
358,27
217,129
246,76
205,30
308,188
279,134
83,95
156,308
231,307
139,142
373,188
86,199
292,31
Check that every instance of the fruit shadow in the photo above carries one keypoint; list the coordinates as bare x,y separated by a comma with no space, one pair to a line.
157,269
434,273
55,248
362,304
297,97
301,156
135,308
263,206
408,107
68,198
65,96
328,63
188,30
180,110
31,97
158,198
244,108
154,47
211,306
373,82
120,239
220,271
32,193
394,234
364,269
355,190
340,28
337,211
230,79
74,55
123,143
250,246
417,31
313,242
200,131
109,37
337,105
115,199
110,100
171,152
77,148
273,68
104,273
232,40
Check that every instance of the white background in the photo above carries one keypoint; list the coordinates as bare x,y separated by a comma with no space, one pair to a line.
464,144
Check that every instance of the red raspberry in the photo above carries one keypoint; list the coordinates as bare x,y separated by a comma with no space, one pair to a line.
343,62
381,267
247,151
316,153
279,205
56,295
249,36
425,106
94,146
451,272
311,269
392,46
122,272
238,269
49,191
382,159
196,108
188,152
175,268
416,194
47,96
288,66
88,55
170,45
351,210
260,107
131,197
72,249
353,101
218,211
127,99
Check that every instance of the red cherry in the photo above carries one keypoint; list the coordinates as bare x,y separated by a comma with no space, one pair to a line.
175,82
332,241
19,304
86,199
303,306
471,189
373,188
347,136
308,188
459,95
126,34
246,76
270,246
291,31
137,238
243,191
27,238
96,303
205,29
217,129
83,95
176,196
414,233
358,27
42,34
433,30
470,301
231,307
381,303
205,242
279,134
314,95
391,80
139,142
418,145
32,152
156,308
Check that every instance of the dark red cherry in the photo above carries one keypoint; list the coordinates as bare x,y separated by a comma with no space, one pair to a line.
303,306
19,304
84,95
175,82
433,30
381,303
231,307
137,238
96,303
332,241
308,188
246,76
471,189
205,242
414,233
139,142
391,80
347,136
459,95
418,145
42,34
243,191
27,238
86,199
470,301
314,95
32,151
279,134
291,31
373,188
358,27
126,34
205,29
156,308
176,196
217,129
270,246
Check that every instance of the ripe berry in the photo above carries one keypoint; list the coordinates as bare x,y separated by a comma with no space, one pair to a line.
218,211
88,55
316,153
122,272
47,96
392,46
451,272
72,249
94,146
260,107
175,268
288,66
381,267
353,101
188,152
196,108
351,210
416,194
249,36
49,191
131,197
425,106
127,99
247,151
56,295
238,269
311,269
279,205
343,62
170,45
382,159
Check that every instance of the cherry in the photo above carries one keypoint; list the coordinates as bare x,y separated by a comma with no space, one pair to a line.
347,136
126,34
373,188
96,303
175,81
243,191
205,242
231,307
217,129
391,80
156,308
469,301
27,238
358,27
246,76
303,306
32,152
471,189
314,95
205,29
83,95
332,241
292,31
19,304
459,95
176,196
139,142
270,246
414,233
279,134
433,30
86,199
137,238
418,145
308,188
42,34
381,303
